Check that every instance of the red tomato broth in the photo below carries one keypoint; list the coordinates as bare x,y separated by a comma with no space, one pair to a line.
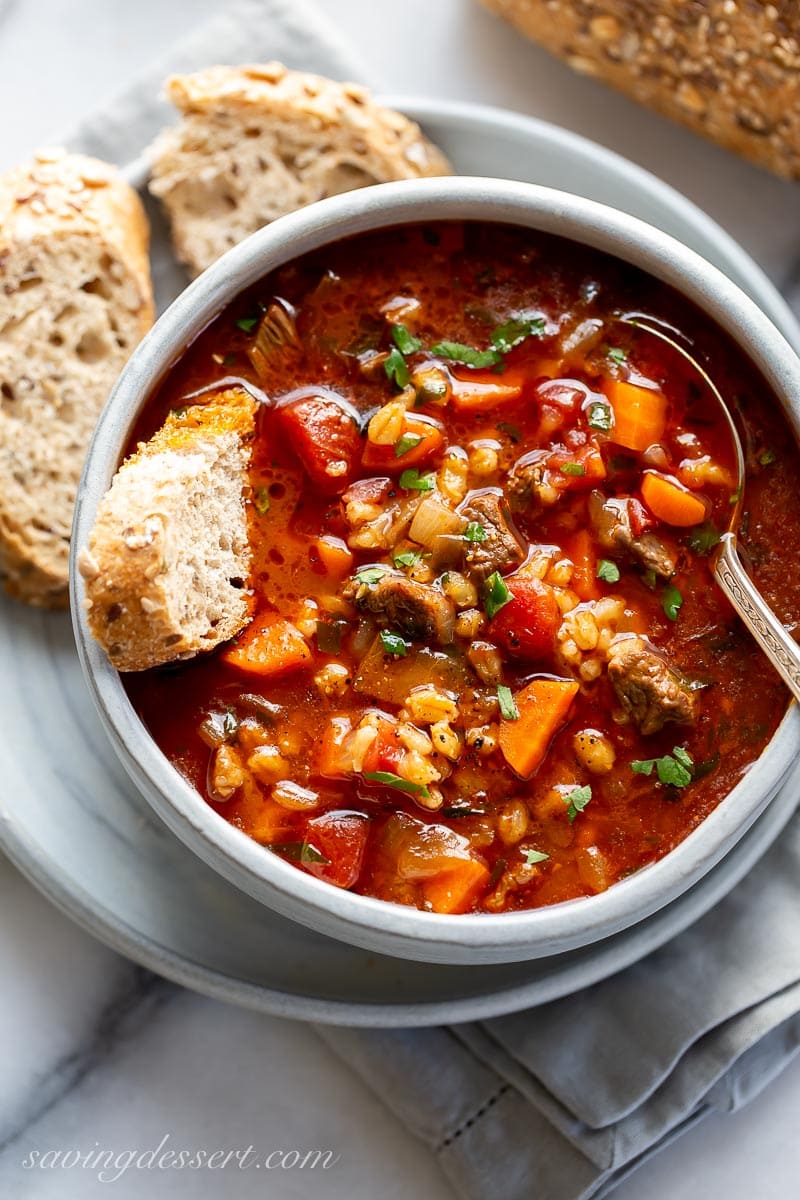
469,279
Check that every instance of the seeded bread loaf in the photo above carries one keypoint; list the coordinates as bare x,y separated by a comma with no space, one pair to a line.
256,142
729,69
75,298
168,558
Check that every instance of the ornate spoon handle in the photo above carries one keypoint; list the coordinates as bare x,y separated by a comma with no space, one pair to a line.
781,649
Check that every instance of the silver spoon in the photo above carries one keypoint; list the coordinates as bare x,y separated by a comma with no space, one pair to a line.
779,647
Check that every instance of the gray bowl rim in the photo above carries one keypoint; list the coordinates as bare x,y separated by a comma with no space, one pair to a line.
364,921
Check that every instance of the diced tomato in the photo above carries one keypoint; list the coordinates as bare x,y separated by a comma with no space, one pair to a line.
526,626
325,437
566,394
580,548
341,838
577,470
640,518
374,490
416,426
385,752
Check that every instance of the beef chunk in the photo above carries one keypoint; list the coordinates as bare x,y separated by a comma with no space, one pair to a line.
526,482
418,610
647,688
502,548
615,522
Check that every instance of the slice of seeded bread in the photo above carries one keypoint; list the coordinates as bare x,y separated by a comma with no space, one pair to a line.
168,558
256,142
75,298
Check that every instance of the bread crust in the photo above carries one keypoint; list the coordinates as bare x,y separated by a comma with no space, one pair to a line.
58,193
56,205
727,69
301,128
149,598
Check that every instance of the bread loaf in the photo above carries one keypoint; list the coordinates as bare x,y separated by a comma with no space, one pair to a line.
256,142
75,299
729,69
168,558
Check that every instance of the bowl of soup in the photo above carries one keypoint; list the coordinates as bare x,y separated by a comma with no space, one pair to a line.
491,704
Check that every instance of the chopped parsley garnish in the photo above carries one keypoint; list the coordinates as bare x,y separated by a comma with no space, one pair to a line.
407,442
508,707
515,330
608,571
302,852
598,416
573,468
393,643
649,579
230,725
576,801
532,857
370,575
412,481
510,430
767,458
674,770
261,501
475,532
617,355
396,368
735,497
467,355
671,601
404,339
389,779
431,390
247,324
496,595
703,538
406,558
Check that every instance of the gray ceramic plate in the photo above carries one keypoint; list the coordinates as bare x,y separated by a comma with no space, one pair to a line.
74,824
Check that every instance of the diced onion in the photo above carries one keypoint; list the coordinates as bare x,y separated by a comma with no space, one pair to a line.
432,520
291,795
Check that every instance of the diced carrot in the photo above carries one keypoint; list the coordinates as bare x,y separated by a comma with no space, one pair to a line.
671,502
543,707
396,457
330,760
580,549
486,390
333,555
260,817
269,646
551,367
640,414
457,890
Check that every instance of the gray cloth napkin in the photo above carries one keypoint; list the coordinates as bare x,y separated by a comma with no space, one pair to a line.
563,1101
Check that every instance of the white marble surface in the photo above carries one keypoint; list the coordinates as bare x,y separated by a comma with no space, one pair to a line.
97,1054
